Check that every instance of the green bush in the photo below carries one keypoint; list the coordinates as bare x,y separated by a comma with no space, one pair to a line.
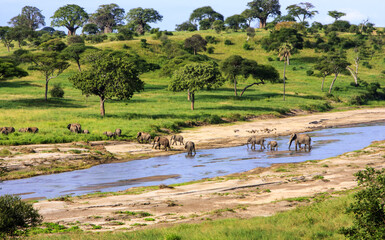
57,91
143,43
270,59
228,42
211,39
368,209
310,72
210,50
358,100
16,214
247,46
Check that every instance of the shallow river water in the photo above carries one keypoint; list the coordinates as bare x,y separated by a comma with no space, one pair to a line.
180,168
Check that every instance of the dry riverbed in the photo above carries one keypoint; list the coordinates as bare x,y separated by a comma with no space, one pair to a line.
259,192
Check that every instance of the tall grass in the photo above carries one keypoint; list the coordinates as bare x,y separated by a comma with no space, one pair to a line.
22,104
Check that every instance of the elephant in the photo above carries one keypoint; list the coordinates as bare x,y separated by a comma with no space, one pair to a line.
143,137
75,127
7,130
118,132
23,130
254,140
156,139
176,138
33,129
85,131
300,139
190,147
109,134
164,142
273,145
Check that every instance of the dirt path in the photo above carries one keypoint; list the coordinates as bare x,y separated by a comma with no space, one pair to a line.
259,192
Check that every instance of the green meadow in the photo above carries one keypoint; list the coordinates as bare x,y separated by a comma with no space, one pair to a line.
158,110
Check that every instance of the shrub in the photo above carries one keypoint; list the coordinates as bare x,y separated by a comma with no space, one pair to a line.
211,39
383,72
57,91
358,100
143,43
210,50
367,65
16,214
270,59
368,209
228,42
309,72
247,46
74,39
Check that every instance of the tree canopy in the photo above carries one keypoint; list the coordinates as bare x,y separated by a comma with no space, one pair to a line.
139,18
30,18
9,68
284,35
186,26
235,22
336,15
70,16
205,16
73,52
196,43
109,77
194,77
107,17
263,9
302,9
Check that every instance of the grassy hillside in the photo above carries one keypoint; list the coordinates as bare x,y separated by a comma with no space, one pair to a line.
22,104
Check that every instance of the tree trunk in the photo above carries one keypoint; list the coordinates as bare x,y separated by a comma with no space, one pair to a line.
288,60
102,110
107,30
284,81
331,85
235,87
188,95
262,22
46,90
357,64
354,75
78,63
251,86
192,101
322,86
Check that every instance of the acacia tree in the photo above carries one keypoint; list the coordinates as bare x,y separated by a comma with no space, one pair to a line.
109,77
196,43
361,52
139,18
249,16
233,67
323,67
263,9
107,17
284,53
6,37
194,77
334,63
9,69
336,15
30,18
260,72
49,64
70,16
205,17
302,9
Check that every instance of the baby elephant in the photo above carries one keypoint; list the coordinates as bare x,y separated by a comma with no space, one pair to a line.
176,138
164,142
109,134
143,137
273,145
75,127
254,140
85,131
190,147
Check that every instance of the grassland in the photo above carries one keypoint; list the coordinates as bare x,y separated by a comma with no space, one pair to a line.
22,100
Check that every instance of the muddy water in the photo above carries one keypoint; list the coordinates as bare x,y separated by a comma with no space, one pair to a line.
181,168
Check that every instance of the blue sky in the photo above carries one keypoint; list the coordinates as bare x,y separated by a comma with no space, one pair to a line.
178,11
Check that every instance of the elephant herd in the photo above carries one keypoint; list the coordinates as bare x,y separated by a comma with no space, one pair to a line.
143,137
298,138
